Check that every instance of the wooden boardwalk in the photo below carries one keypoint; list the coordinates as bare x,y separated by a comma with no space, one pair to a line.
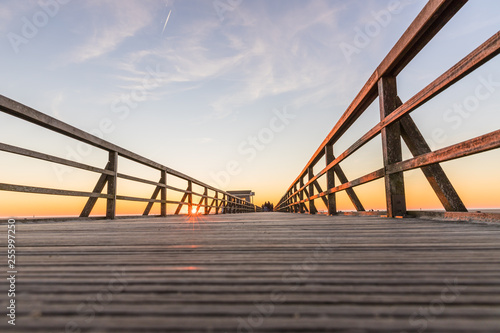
263,272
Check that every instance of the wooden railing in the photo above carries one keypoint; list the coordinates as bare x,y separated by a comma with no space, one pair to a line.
212,200
396,123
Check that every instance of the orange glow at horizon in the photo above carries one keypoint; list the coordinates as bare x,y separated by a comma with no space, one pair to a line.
481,193
419,195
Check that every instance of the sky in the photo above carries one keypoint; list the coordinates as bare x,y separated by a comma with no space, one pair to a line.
236,93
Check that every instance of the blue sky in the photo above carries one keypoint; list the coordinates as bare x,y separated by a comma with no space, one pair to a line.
193,93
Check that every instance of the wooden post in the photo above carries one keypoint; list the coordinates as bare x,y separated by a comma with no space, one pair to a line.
163,193
350,191
301,195
216,203
391,148
205,193
434,173
190,197
225,204
97,189
296,208
312,207
112,182
330,181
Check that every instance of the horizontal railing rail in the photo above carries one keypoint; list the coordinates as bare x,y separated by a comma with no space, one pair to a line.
396,123
215,202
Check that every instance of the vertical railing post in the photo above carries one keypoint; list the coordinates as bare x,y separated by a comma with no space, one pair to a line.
112,182
190,197
205,193
295,207
301,195
312,206
216,201
227,205
391,148
163,193
287,201
224,204
330,181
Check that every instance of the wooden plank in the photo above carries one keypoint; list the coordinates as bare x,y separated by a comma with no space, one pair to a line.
391,148
50,191
434,173
141,180
46,157
302,273
473,146
136,199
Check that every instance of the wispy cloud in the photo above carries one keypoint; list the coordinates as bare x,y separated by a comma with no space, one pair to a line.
282,56
113,22
252,57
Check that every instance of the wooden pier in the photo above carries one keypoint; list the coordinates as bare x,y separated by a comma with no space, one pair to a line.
266,272
225,269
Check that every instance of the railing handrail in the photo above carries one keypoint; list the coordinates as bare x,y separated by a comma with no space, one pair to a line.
109,174
429,21
395,124
31,115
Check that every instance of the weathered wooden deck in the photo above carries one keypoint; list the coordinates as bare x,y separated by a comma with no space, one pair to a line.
264,272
